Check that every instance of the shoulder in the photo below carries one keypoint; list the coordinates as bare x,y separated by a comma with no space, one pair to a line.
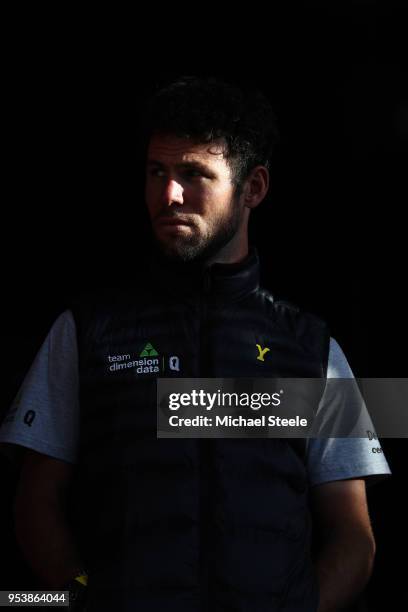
288,313
64,323
295,316
306,328
338,366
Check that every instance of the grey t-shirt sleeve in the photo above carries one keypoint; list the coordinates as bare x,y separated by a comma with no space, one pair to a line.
331,459
44,415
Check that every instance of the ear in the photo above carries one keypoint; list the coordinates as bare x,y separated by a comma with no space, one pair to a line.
255,187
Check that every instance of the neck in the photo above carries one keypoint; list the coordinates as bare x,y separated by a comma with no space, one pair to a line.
234,251
228,256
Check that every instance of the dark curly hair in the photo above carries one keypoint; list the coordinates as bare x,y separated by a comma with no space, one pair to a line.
207,109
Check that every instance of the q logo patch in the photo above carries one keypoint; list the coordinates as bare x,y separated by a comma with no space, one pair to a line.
174,363
29,417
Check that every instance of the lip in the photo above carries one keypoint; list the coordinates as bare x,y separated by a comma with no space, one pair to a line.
172,221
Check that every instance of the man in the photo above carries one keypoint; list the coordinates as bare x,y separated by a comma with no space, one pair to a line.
187,524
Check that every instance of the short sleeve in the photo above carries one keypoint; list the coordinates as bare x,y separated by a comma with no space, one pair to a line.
331,459
44,415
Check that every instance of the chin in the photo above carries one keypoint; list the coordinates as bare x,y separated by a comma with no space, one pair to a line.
179,252
194,249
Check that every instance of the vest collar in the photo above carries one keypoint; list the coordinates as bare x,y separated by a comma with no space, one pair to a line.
218,280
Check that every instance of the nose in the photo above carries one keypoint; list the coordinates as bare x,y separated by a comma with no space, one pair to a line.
173,193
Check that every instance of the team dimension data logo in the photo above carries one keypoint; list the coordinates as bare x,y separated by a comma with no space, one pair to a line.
149,362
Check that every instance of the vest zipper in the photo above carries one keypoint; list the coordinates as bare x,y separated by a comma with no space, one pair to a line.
204,446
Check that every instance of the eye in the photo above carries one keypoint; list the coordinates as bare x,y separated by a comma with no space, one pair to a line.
156,172
194,173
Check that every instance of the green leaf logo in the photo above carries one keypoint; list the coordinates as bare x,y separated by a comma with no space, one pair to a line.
149,351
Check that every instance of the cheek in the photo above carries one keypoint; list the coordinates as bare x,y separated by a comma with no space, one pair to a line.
217,201
150,197
223,204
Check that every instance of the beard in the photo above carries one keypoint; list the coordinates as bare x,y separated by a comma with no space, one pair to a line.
198,247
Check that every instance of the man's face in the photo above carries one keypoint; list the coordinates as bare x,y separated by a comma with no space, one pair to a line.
190,198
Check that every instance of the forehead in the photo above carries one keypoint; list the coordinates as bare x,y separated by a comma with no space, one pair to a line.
170,150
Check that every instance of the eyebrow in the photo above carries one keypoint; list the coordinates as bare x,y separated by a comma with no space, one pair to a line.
196,165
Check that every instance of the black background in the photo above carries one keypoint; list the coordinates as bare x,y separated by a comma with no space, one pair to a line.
331,233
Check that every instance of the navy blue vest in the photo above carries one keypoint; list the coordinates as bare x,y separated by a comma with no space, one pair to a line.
189,525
